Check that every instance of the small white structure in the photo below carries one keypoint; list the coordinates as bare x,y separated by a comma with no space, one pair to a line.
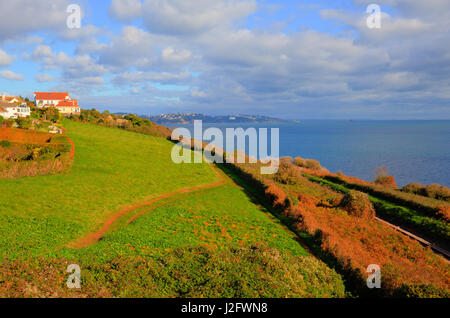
11,110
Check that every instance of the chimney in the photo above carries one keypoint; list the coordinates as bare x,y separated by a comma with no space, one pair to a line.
3,96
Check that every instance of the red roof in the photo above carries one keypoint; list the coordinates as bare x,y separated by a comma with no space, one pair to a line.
68,103
51,96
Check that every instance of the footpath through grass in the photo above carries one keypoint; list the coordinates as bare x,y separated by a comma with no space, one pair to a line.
113,169
214,242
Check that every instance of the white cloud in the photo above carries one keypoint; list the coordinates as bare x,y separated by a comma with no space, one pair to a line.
141,77
41,78
85,32
133,47
9,75
5,59
171,55
125,10
181,16
195,92
20,17
92,80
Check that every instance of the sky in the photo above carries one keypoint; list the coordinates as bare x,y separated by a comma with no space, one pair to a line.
291,59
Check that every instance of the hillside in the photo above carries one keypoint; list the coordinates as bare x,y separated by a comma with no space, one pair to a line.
142,226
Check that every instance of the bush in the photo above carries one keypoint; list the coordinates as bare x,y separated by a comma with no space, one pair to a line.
443,212
8,123
437,191
358,204
276,196
5,143
307,163
299,161
313,164
287,173
434,191
286,159
23,123
414,187
386,181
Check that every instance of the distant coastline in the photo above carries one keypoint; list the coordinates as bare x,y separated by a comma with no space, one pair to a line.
189,118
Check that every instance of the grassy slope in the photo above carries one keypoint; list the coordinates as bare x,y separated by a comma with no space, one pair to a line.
195,245
217,218
112,169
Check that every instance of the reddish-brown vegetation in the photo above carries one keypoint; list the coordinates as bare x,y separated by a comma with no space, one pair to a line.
420,202
386,181
408,268
287,173
383,179
437,191
30,153
24,136
276,196
358,204
444,213
308,163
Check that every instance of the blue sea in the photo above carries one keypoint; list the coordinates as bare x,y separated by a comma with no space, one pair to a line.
412,151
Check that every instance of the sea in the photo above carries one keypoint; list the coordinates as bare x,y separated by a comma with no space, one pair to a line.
412,151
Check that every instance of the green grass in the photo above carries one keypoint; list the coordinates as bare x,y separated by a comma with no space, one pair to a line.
112,169
215,242
218,218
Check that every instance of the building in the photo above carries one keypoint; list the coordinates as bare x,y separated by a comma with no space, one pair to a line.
12,99
49,99
67,107
12,110
61,101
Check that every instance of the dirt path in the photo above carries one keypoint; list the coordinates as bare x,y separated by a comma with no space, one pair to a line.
422,241
94,237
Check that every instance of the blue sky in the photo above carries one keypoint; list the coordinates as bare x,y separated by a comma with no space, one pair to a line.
289,59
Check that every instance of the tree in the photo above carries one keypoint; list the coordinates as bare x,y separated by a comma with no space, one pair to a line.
382,178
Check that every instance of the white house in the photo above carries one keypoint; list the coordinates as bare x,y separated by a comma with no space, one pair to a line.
11,110
50,99
61,101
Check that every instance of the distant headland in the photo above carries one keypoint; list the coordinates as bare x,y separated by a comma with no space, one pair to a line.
188,118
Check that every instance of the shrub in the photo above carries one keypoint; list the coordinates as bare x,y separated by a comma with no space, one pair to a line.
23,123
437,191
380,171
299,161
276,196
307,163
443,212
386,181
414,187
287,173
5,143
8,123
358,204
313,164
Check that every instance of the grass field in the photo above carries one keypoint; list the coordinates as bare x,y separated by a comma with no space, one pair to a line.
112,169
214,241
